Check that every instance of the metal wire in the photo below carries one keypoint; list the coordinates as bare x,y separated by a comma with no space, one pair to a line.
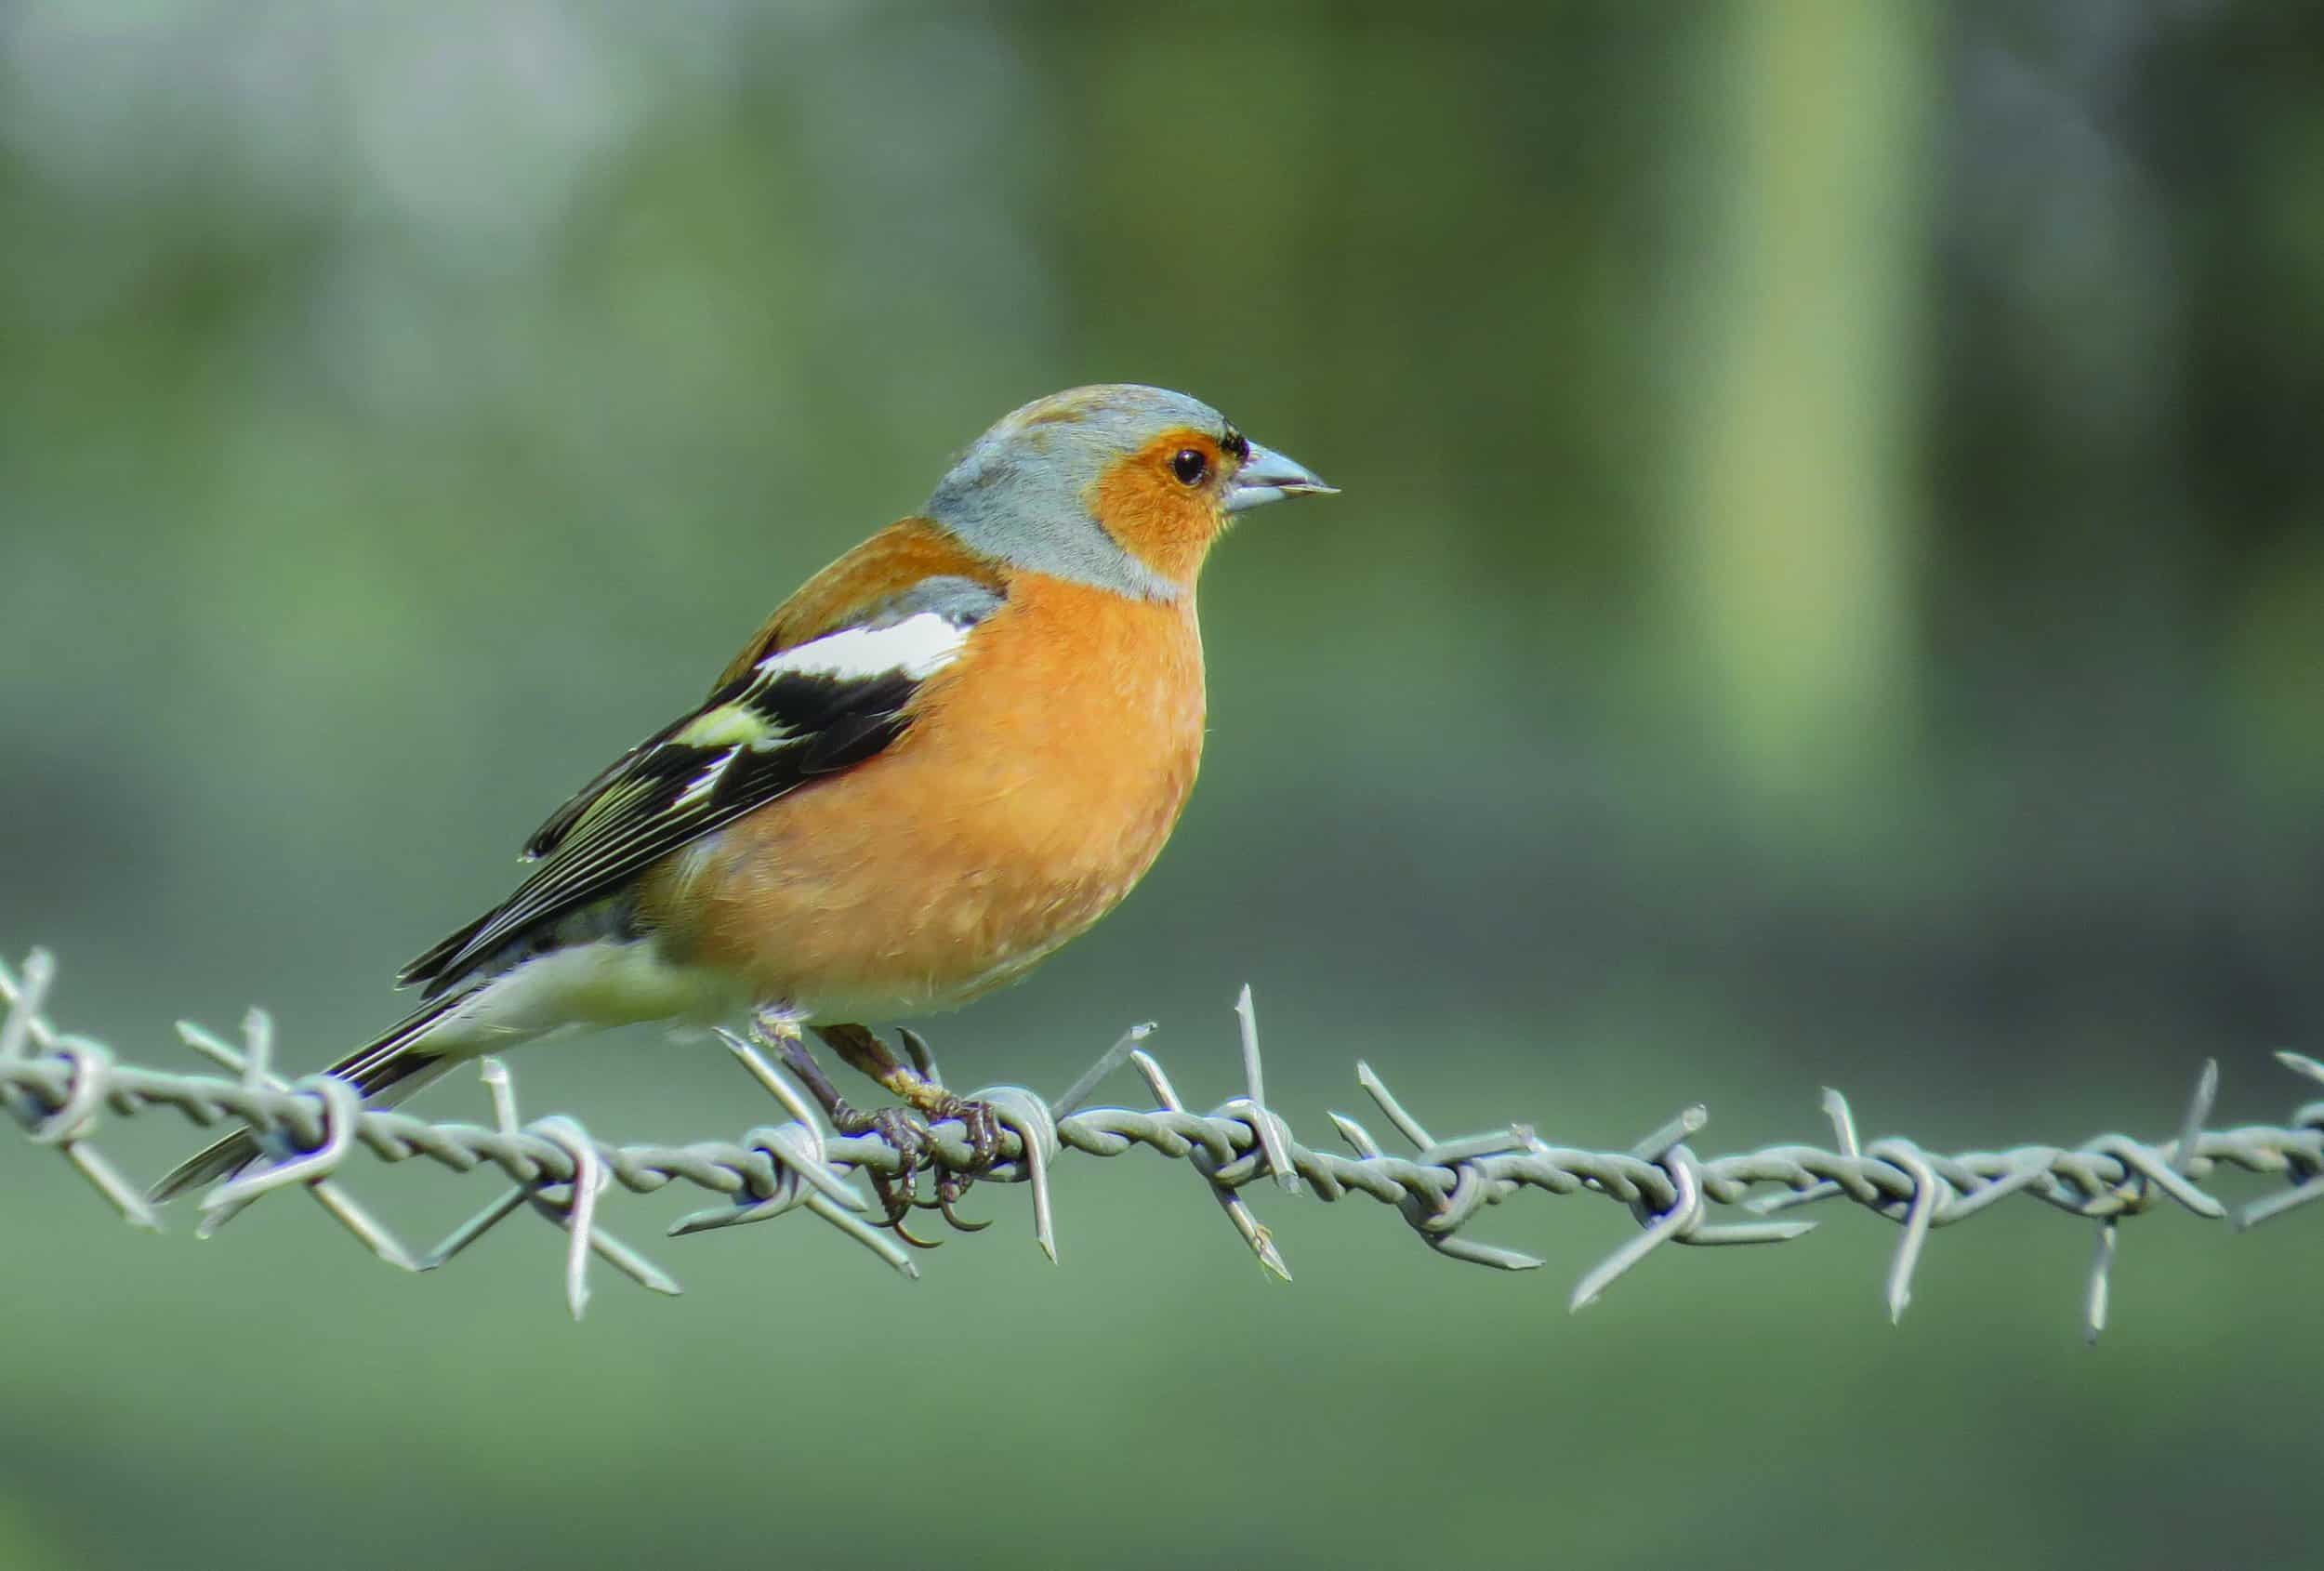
60,1087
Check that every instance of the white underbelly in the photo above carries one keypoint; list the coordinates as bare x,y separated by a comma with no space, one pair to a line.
586,986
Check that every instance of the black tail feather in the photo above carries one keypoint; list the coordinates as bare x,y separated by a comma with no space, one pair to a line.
432,967
383,1070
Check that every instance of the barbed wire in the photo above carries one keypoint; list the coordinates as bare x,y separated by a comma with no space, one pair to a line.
59,1087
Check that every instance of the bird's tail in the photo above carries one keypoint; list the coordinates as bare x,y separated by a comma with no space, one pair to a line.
385,1070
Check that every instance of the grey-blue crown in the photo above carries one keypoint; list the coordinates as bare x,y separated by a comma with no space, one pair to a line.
1021,493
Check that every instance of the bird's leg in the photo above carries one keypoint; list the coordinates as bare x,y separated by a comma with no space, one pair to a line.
865,1054
907,1139
864,1051
983,1130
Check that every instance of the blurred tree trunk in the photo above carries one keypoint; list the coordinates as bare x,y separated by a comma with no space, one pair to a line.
1797,339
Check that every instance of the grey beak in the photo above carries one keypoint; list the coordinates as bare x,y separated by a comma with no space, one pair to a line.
1267,476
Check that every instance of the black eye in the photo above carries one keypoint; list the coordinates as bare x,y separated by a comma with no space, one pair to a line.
1190,464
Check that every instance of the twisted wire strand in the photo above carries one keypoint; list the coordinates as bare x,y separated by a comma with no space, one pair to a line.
60,1087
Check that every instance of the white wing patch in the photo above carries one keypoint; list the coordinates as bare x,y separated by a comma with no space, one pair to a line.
917,647
914,649
707,781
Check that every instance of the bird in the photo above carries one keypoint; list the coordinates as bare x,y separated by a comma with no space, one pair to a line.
945,756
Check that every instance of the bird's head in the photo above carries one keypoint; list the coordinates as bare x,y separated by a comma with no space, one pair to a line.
1118,485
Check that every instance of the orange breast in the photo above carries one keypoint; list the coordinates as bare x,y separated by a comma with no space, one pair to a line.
1042,774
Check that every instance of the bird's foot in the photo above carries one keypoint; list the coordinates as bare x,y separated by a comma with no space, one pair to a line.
908,1137
916,1153
978,1121
917,1086
981,1124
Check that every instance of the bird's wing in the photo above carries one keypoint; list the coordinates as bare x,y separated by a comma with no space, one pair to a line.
793,716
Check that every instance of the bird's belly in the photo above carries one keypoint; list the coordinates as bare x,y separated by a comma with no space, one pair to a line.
957,860
600,981
849,924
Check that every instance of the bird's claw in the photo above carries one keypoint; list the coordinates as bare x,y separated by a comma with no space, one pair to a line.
904,1133
908,1137
981,1124
898,1193
950,1185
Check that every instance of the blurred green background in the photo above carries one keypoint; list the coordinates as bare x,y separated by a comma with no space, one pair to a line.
1829,590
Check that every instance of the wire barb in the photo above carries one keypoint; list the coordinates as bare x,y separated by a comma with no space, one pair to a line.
61,1088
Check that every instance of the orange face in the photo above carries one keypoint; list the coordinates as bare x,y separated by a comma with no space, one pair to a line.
1166,503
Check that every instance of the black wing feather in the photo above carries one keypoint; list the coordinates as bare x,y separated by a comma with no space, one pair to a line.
643,813
668,790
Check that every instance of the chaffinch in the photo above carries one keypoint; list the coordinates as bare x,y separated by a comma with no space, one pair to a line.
949,753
